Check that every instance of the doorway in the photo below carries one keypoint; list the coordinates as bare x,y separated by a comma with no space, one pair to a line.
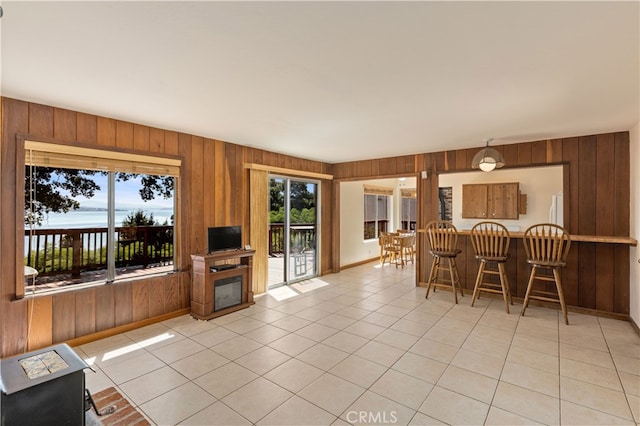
293,230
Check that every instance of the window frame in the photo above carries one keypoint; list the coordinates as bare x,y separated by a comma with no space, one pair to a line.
172,164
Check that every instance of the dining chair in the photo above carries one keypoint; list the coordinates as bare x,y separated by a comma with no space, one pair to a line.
490,241
387,247
547,247
442,237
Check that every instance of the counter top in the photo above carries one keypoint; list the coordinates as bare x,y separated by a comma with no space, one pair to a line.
574,237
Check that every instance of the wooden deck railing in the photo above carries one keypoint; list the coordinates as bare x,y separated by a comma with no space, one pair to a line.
303,237
63,251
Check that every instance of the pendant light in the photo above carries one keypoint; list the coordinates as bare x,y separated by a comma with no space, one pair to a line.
487,159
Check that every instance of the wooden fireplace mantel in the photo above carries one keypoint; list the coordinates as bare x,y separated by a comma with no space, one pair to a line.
207,269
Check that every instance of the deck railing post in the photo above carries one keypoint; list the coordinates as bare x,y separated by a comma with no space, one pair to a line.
76,236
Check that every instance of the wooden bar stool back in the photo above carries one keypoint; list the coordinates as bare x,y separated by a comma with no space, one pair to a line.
490,242
547,247
387,247
442,237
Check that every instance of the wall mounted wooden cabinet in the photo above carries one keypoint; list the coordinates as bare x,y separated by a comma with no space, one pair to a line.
491,201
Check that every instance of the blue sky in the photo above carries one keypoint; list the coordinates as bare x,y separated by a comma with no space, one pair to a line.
127,196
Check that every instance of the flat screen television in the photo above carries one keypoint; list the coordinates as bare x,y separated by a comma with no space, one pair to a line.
225,238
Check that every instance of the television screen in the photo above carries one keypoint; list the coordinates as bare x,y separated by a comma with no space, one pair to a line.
225,238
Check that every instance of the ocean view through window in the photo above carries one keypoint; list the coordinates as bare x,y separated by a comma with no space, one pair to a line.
89,219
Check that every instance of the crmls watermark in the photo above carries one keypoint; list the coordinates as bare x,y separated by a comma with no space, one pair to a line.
376,417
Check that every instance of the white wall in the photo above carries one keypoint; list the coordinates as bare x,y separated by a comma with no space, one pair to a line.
634,222
538,183
353,247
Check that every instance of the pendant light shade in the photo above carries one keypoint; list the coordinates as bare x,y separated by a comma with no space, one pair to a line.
487,159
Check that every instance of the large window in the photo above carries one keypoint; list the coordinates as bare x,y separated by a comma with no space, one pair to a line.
408,209
97,216
376,211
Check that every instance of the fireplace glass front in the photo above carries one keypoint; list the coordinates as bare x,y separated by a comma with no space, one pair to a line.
227,292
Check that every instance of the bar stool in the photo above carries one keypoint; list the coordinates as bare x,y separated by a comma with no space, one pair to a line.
490,242
547,247
442,237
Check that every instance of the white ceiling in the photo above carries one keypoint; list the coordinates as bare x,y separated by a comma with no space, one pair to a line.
333,81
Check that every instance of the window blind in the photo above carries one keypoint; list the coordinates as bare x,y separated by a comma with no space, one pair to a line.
378,190
71,157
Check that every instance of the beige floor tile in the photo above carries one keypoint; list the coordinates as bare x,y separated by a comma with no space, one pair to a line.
244,325
131,368
589,340
396,339
257,398
236,347
434,350
634,403
498,416
175,351
322,356
358,370
450,323
294,375
297,412
151,385
415,365
97,380
631,351
214,336
345,342
177,405
531,378
420,419
574,414
198,364
454,408
193,327
394,311
422,317
413,328
531,328
364,329
331,393
292,344
626,364
268,315
534,359
224,380
486,346
291,323
316,332
590,356
500,319
98,348
446,336
354,313
217,414
380,353
148,332
402,388
479,363
372,408
630,383
266,334
492,333
468,383
538,344
624,335
377,318
596,397
590,373
262,360
527,403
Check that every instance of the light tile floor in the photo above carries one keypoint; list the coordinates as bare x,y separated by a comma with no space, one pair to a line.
365,347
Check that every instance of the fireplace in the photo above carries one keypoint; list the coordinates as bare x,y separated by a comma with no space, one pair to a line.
227,292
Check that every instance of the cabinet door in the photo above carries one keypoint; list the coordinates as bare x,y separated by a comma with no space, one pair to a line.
474,201
503,200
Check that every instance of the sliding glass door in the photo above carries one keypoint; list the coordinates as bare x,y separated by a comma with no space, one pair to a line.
293,230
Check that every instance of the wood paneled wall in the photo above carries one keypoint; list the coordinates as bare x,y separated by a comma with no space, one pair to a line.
596,188
214,191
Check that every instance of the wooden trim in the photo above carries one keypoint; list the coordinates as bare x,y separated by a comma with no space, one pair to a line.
288,172
574,237
362,262
124,328
377,190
